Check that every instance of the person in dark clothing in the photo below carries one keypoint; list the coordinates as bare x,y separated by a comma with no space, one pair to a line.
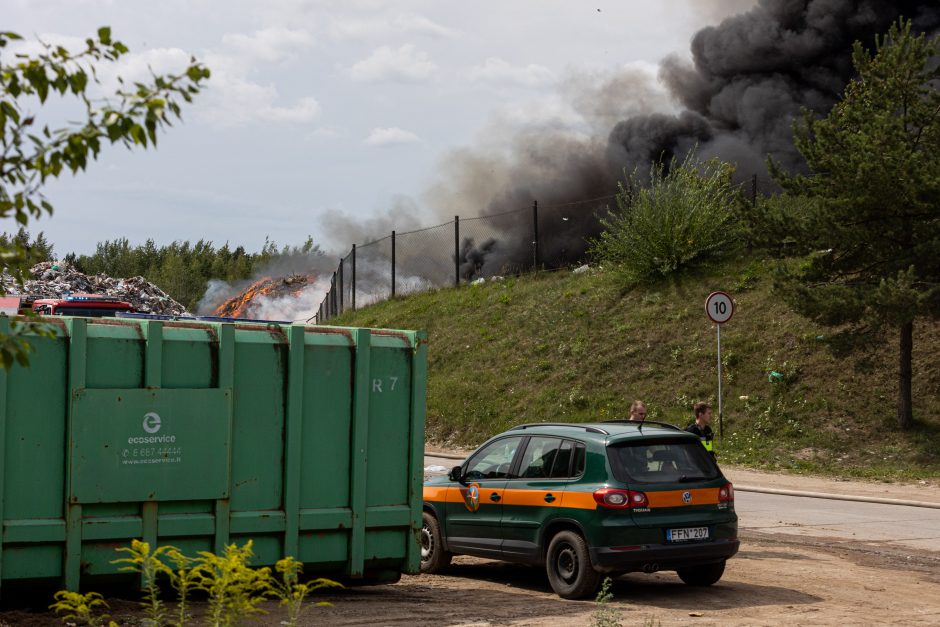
703,418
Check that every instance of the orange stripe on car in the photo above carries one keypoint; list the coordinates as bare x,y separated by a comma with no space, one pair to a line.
438,494
578,500
531,497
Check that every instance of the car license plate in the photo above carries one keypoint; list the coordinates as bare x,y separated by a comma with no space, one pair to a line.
687,534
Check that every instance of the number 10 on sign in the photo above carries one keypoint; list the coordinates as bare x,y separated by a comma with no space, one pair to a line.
719,307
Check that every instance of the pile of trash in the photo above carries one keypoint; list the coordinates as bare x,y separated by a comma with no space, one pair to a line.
251,301
51,279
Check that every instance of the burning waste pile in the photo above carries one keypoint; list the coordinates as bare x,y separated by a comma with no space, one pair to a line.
287,289
268,298
56,279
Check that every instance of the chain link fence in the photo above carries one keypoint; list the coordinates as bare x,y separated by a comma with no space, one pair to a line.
462,251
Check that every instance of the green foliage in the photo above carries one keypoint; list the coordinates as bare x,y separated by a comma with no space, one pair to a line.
493,366
605,615
31,251
235,589
184,579
685,217
149,565
775,224
182,269
81,609
873,225
292,592
32,153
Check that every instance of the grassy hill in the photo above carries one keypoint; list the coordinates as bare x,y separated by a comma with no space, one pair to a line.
576,347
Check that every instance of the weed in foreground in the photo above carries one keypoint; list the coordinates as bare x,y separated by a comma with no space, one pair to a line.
605,615
234,588
292,592
149,565
81,609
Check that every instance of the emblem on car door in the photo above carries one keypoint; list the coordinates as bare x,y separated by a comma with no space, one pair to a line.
686,497
471,497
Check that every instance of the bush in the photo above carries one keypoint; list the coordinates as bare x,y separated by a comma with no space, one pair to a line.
683,218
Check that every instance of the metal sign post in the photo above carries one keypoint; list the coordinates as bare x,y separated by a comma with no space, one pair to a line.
719,308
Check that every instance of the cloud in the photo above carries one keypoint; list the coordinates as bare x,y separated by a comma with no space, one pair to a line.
394,64
390,137
500,71
406,23
232,99
270,44
323,132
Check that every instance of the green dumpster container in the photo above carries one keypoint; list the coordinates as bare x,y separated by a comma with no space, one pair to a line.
308,440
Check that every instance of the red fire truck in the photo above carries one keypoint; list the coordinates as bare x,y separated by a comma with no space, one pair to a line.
90,305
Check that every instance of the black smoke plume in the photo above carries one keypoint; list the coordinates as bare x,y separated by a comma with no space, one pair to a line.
748,78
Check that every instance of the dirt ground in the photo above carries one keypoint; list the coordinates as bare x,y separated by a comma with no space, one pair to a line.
768,583
795,580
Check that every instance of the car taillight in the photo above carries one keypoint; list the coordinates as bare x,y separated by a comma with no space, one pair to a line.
620,499
726,493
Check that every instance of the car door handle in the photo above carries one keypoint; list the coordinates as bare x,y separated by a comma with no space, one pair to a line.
495,496
549,498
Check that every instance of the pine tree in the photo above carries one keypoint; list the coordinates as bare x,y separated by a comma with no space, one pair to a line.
873,216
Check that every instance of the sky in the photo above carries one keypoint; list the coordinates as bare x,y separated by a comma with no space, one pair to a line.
320,112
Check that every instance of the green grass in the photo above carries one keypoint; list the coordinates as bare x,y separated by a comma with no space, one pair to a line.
576,347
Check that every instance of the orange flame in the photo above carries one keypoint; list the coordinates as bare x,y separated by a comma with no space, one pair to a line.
244,304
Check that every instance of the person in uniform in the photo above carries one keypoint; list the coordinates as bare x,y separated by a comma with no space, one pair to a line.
702,412
638,411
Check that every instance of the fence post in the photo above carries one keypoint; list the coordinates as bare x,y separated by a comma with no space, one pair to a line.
393,264
353,287
754,190
535,233
333,295
457,251
341,286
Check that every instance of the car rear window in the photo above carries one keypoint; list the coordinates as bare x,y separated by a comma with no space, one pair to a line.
662,461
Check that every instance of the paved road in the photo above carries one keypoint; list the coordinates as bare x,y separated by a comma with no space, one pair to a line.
870,523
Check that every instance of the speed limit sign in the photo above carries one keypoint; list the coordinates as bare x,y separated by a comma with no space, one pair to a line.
719,307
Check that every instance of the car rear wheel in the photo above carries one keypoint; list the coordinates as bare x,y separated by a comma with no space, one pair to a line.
568,564
704,575
433,556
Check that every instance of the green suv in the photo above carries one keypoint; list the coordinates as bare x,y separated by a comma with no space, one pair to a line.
585,500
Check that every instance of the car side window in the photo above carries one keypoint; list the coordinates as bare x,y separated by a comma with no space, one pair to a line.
580,455
562,465
539,457
494,460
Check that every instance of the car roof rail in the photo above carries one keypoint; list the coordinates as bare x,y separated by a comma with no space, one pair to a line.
640,423
588,428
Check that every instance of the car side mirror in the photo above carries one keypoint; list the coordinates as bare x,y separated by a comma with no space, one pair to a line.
456,474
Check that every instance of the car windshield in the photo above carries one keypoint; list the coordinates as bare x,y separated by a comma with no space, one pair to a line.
662,461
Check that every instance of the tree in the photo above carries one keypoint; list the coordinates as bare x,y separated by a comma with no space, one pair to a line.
873,216
31,153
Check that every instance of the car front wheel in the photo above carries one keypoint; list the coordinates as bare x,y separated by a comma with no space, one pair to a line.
568,564
704,575
433,556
